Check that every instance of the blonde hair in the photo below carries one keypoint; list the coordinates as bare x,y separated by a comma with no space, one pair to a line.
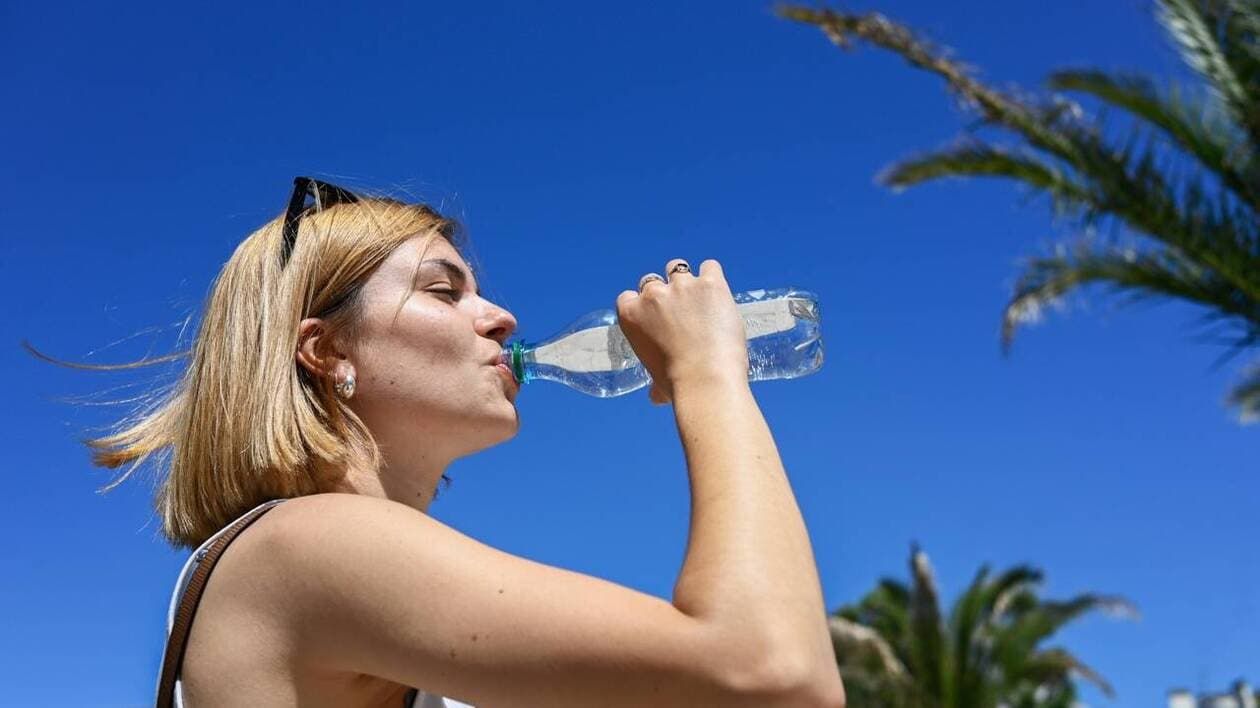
245,423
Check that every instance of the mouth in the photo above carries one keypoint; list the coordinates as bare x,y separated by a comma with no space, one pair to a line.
509,380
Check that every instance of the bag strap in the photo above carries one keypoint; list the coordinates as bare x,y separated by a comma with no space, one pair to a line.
177,641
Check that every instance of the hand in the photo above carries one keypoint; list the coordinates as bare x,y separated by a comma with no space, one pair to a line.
684,328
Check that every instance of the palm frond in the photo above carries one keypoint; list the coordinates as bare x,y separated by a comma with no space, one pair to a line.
1025,694
1196,28
875,670
1016,579
1205,134
1058,665
1154,273
1015,643
1011,591
1246,396
965,621
1240,20
1129,184
998,623
997,108
976,159
929,651
1209,236
886,609
861,646
1015,602
1121,183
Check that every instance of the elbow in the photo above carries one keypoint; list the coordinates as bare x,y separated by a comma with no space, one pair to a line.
825,692
781,681
813,689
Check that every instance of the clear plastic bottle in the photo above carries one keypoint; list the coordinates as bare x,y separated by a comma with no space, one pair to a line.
592,355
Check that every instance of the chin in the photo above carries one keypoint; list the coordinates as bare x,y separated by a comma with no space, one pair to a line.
514,425
505,427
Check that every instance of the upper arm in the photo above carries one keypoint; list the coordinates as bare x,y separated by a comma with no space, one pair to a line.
372,586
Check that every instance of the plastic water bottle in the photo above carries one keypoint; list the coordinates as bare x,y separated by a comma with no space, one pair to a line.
592,355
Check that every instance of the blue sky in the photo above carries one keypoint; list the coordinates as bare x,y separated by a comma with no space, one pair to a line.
584,144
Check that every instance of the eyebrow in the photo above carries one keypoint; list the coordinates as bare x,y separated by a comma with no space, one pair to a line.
454,271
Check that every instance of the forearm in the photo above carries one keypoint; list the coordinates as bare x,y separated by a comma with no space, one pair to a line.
749,564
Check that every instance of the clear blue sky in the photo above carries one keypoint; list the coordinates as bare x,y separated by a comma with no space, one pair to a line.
585,144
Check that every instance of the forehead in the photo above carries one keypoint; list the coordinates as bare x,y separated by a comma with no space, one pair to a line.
422,256
429,247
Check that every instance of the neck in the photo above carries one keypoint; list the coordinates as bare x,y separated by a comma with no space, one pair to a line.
413,484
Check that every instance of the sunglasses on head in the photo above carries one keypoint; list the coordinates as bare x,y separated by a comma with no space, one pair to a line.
322,195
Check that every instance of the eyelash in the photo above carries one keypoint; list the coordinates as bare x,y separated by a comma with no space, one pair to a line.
453,294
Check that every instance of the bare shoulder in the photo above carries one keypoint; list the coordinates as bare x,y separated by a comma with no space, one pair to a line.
326,511
314,536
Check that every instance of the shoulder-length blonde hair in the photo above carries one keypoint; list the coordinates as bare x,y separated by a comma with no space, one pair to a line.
245,423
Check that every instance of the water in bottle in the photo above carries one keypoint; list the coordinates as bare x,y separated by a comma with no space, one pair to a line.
592,355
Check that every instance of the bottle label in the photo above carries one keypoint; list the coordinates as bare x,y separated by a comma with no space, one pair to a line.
607,349
596,349
767,317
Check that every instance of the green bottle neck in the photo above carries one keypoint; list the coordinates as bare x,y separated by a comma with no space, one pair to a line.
516,355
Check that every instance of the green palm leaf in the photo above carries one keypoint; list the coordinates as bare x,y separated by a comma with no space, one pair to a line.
1211,139
974,159
1123,183
969,621
964,623
1246,395
860,645
887,610
1015,644
1030,121
929,652
991,656
1195,27
1058,666
1155,273
1208,238
1240,20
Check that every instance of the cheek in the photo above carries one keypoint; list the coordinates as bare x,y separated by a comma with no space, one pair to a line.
419,353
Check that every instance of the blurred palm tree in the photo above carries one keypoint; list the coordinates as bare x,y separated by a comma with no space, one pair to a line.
895,648
1184,182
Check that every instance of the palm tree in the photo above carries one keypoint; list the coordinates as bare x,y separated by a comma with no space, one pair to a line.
895,648
1183,186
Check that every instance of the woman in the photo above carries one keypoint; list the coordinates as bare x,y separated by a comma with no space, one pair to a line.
345,358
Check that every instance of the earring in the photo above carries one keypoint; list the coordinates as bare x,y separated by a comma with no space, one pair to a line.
345,387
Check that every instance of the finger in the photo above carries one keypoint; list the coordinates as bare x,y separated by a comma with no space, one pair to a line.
678,268
626,300
651,280
711,268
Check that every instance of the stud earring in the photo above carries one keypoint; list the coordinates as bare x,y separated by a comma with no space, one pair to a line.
345,387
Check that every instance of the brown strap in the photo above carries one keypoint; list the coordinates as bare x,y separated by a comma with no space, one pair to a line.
177,641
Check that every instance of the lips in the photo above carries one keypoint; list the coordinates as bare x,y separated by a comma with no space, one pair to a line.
506,374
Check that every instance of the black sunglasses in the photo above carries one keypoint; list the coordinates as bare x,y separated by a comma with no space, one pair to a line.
324,195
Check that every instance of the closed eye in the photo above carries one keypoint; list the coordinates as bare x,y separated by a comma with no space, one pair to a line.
452,294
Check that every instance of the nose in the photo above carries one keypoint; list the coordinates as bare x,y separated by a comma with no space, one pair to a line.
496,323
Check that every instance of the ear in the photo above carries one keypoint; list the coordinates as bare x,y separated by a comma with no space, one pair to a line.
317,352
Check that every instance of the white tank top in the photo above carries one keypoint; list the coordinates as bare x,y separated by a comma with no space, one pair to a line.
415,697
